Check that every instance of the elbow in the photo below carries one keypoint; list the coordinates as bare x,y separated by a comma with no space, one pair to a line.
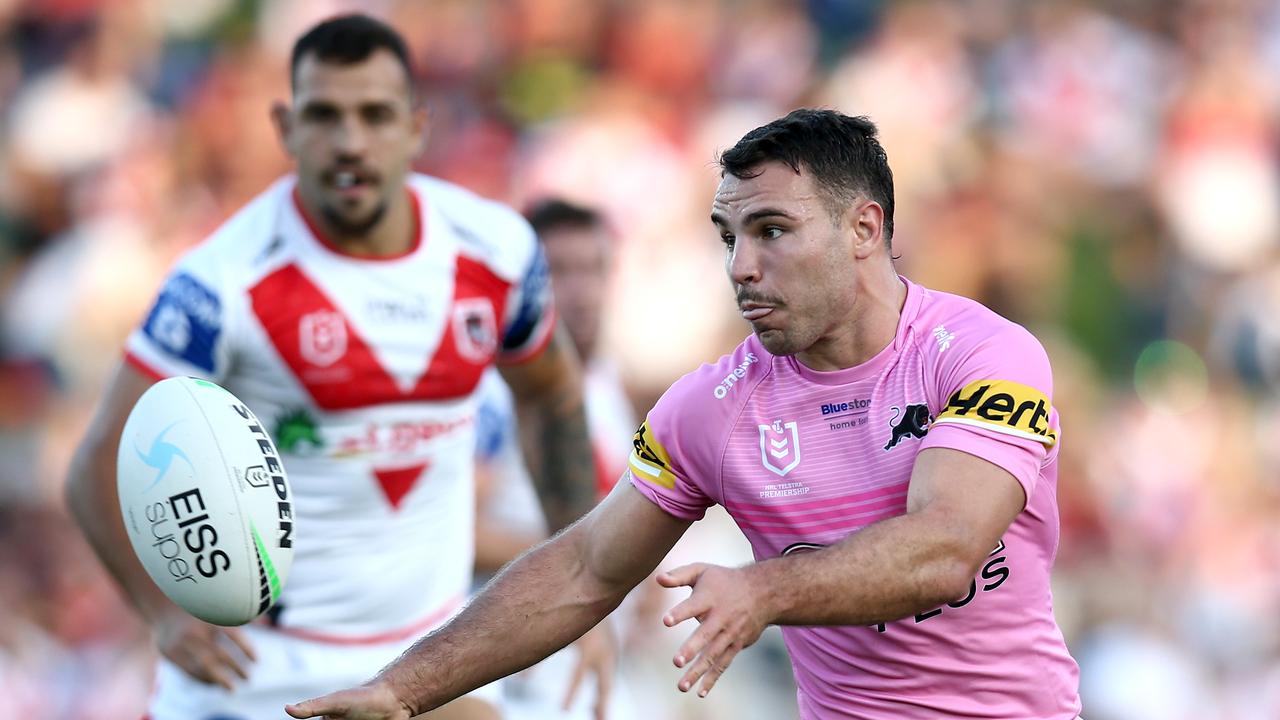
953,576
953,581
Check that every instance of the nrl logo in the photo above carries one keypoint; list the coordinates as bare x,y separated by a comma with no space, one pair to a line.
780,447
322,337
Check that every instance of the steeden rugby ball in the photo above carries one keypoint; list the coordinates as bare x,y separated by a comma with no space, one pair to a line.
205,500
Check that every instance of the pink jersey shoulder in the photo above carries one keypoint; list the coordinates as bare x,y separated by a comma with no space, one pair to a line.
678,449
989,386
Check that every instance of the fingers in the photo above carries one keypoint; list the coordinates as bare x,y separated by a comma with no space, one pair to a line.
717,669
579,672
695,643
238,637
711,664
604,685
220,657
683,575
317,707
694,606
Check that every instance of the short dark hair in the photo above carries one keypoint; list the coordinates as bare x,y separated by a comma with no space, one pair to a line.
349,39
840,151
554,213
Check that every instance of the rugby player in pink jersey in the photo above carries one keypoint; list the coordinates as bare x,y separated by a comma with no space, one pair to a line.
890,452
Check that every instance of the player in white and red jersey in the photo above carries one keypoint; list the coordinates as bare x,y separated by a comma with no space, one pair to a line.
889,451
355,307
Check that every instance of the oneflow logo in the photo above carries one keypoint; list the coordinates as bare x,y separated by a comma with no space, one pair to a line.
734,376
160,456
780,447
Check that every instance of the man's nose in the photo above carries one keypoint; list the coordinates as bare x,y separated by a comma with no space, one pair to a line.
352,138
743,264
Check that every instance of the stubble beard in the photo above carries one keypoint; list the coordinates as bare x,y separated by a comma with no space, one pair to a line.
349,227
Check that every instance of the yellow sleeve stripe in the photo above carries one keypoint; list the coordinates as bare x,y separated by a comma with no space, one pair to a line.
650,460
1003,406
650,473
1048,440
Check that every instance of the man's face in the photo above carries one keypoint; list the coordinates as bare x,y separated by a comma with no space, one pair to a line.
578,258
353,132
788,260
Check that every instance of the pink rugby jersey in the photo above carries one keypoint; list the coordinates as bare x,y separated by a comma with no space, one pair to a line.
801,459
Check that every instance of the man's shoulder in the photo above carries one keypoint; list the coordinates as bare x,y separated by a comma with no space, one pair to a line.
718,389
952,322
248,236
487,230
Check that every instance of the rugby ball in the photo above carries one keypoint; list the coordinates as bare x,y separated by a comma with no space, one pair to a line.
205,500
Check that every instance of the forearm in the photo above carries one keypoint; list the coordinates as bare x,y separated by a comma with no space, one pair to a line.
93,502
888,570
566,467
541,603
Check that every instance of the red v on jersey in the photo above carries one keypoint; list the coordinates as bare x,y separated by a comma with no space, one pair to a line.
398,482
336,365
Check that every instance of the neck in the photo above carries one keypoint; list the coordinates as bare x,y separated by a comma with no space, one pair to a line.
394,234
867,330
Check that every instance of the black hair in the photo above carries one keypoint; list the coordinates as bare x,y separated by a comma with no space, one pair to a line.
349,39
554,213
840,151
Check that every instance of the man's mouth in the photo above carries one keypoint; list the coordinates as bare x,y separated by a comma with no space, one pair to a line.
348,180
754,311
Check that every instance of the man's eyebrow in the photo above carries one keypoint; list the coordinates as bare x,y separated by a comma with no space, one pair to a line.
754,216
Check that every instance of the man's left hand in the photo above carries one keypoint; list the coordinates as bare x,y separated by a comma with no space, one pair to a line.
598,656
729,614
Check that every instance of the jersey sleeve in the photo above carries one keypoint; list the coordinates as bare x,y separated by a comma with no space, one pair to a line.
666,464
186,330
996,402
530,318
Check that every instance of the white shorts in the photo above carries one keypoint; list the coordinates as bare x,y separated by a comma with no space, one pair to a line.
288,669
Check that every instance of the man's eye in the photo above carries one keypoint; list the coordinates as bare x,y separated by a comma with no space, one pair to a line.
772,233
727,239
320,114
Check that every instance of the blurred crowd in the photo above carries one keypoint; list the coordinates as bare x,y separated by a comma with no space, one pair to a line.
1105,173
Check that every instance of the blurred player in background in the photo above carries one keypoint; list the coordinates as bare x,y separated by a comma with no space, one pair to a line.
354,306
890,452
578,244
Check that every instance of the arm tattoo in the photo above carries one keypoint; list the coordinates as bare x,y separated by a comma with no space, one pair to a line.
566,469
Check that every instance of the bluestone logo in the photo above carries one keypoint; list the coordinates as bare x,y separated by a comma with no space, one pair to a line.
161,454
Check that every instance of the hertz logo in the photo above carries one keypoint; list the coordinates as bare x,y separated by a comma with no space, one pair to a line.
649,460
1004,406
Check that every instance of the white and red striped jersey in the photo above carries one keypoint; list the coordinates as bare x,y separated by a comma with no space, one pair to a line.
367,371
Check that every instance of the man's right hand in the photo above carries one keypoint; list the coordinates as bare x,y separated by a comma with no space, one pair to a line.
208,653
375,701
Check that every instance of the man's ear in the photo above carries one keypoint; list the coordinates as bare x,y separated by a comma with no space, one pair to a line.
283,123
421,125
865,219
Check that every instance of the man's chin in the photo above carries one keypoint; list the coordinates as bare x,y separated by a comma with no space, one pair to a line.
354,224
775,341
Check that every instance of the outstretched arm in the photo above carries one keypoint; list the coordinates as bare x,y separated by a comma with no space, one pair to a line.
539,604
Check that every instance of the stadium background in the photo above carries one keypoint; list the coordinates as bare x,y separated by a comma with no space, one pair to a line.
1103,172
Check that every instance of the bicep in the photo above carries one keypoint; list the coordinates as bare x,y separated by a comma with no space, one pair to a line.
974,499
627,535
